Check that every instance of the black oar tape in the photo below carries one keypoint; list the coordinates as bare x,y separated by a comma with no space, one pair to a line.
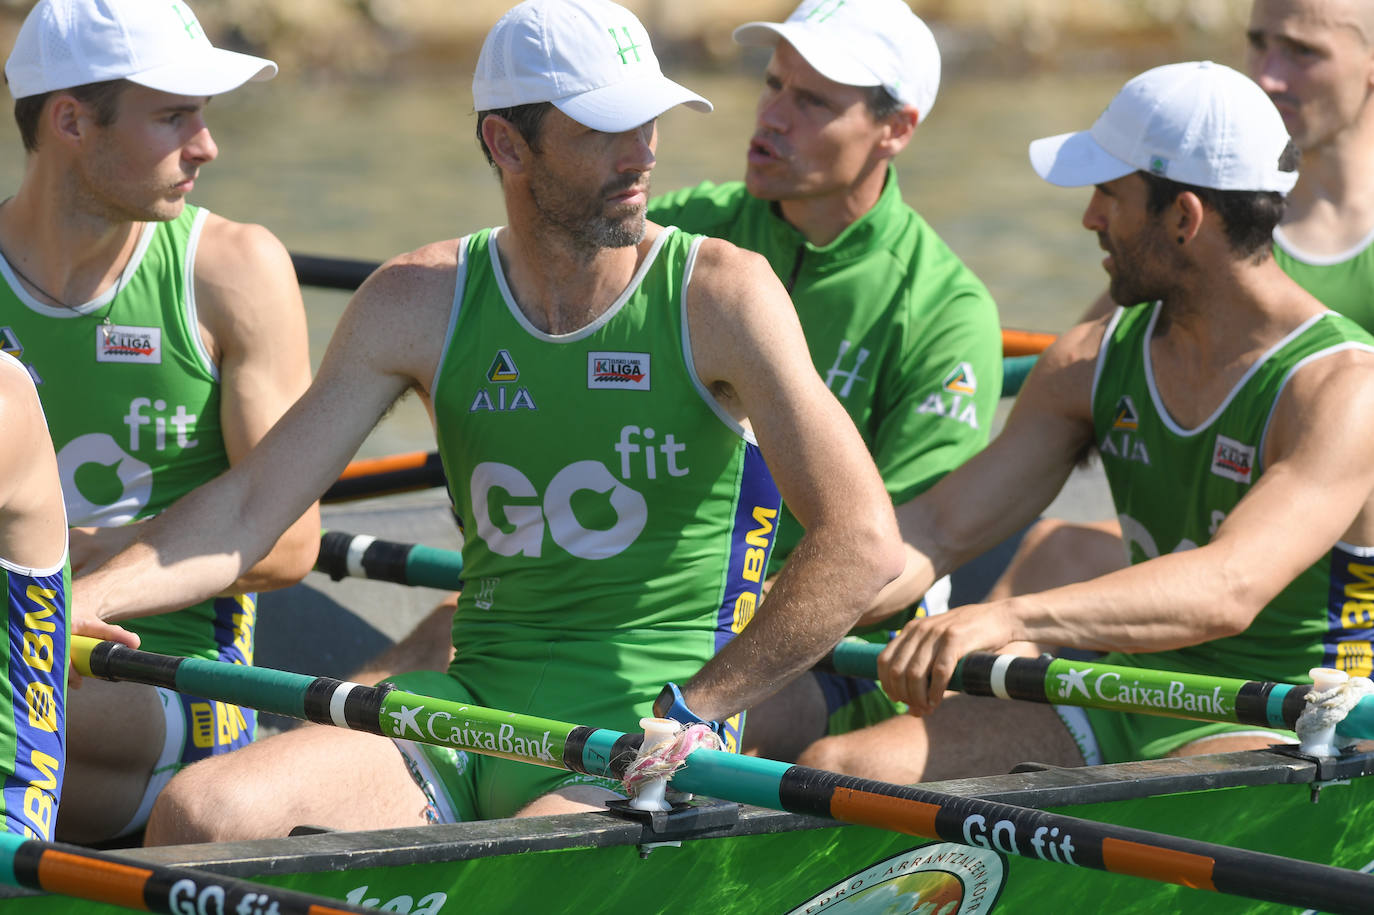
1054,837
623,752
1252,702
362,707
331,272
1024,678
383,560
131,664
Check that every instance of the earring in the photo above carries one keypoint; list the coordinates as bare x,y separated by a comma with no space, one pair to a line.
1180,239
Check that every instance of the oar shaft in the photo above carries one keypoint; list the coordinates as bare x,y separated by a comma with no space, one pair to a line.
1090,684
389,475
85,874
361,556
911,810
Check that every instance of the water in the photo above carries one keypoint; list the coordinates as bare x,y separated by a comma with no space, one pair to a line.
369,171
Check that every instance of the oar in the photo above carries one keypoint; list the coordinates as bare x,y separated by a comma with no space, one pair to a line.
388,475
415,564
1123,689
762,782
67,870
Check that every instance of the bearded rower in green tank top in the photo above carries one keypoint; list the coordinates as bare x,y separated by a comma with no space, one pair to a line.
1173,487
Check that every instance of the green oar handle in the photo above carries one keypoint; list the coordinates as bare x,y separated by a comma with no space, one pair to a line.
911,810
1091,684
82,873
361,556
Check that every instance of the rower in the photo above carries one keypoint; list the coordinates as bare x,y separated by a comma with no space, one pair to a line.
34,576
1230,409
618,514
164,341
1315,59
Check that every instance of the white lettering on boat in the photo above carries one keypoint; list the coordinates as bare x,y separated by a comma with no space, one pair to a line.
443,728
405,905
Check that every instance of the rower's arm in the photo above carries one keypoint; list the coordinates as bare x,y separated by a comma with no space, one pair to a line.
212,536
250,305
749,350
1006,485
1315,490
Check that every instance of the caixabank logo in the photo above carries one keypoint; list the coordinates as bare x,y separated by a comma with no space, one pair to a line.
942,878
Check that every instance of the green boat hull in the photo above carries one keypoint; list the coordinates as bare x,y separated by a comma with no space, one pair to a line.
749,860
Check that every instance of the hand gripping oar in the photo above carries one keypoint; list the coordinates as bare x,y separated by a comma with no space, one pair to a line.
361,556
67,870
1123,689
762,782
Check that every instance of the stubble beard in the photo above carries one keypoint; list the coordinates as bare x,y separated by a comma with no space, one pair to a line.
1143,268
581,218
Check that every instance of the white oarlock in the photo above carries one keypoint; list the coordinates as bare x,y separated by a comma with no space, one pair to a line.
1334,693
658,732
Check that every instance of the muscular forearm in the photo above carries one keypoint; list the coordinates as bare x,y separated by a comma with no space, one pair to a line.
290,559
812,604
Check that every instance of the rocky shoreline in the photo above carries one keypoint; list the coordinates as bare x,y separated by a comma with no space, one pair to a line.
390,39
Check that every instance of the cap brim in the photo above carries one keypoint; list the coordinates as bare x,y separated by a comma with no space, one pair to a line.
210,73
1075,160
627,105
816,49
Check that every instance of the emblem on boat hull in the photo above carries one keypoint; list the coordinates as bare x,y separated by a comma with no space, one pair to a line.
942,878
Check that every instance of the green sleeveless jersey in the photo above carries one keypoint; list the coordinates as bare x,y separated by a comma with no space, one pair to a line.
1342,282
617,522
1173,487
134,408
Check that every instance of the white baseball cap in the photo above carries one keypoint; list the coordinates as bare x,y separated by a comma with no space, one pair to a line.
1198,123
590,58
155,43
860,43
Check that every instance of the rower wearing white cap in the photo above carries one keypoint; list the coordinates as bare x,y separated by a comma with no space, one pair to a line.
164,342
904,334
1230,408
604,392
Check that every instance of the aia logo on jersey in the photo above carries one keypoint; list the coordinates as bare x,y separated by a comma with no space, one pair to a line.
128,344
500,396
1233,460
1123,438
954,400
1126,416
618,371
962,380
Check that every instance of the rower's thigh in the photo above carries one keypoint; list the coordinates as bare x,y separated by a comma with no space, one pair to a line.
312,775
1055,553
115,734
965,736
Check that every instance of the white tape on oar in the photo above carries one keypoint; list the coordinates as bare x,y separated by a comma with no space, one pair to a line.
998,677
353,560
337,700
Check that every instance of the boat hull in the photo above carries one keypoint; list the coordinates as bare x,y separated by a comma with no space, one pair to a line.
762,861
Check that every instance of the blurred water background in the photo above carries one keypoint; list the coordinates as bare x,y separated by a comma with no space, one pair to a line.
363,146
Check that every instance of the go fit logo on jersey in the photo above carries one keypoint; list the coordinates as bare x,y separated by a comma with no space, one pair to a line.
530,514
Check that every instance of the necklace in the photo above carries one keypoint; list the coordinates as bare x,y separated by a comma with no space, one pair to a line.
106,325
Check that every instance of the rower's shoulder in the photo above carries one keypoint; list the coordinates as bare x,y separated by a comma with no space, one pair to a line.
419,275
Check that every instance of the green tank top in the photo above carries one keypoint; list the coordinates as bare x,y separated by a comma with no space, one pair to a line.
605,496
1173,487
133,406
1343,282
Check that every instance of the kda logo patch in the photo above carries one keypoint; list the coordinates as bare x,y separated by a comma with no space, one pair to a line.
1233,460
618,371
124,343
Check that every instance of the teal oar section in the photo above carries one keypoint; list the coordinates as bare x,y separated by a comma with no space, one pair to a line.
361,556
969,821
81,873
1123,689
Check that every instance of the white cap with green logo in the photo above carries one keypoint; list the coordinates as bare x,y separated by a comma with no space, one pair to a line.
590,58
860,43
66,43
